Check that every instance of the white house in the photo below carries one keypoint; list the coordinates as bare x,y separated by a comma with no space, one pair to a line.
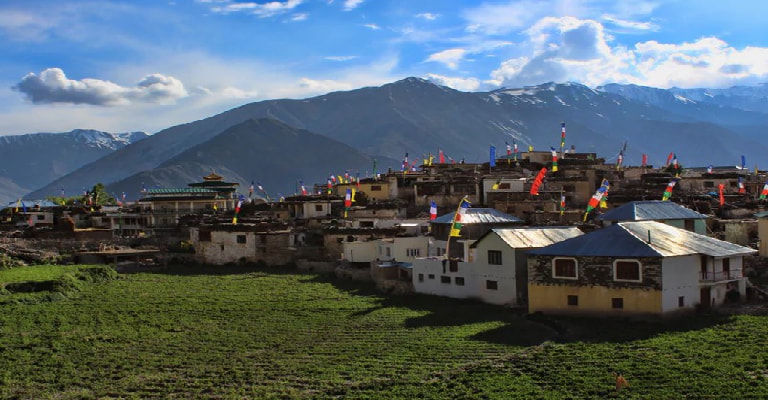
496,272
643,267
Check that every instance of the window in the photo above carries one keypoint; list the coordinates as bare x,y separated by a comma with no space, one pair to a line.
459,281
626,270
727,268
241,239
733,184
709,184
617,302
453,266
573,300
689,225
421,277
494,257
413,252
388,251
491,285
703,263
445,279
431,276
564,268
40,217
375,188
681,301
366,224
204,236
318,207
504,185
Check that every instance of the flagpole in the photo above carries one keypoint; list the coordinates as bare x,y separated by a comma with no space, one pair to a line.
448,244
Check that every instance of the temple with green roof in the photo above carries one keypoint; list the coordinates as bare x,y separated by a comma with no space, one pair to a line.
167,205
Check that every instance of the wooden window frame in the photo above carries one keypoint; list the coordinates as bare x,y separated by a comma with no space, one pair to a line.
575,268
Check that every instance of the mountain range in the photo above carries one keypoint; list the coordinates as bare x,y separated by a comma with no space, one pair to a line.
30,161
346,131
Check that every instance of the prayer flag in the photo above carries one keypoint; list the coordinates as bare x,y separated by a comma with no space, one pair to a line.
594,202
720,188
668,190
562,204
764,193
432,210
441,156
458,217
537,181
669,159
742,189
619,160
710,168
743,162
554,159
645,160
562,138
493,156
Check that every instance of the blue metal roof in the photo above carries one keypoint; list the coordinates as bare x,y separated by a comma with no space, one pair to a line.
643,239
478,216
650,210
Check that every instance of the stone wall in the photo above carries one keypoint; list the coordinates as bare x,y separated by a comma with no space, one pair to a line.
595,271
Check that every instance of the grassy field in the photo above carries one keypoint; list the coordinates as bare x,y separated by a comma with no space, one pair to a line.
264,333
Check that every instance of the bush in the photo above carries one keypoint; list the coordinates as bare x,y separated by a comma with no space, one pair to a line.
102,273
67,283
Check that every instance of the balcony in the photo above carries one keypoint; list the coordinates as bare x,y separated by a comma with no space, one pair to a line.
721,276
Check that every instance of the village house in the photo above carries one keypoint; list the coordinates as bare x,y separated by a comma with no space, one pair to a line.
475,223
497,269
667,212
252,243
635,268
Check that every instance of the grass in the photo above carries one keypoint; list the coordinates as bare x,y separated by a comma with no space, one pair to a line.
36,273
262,333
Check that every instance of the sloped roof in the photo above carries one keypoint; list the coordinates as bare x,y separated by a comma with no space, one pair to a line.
478,216
631,239
650,210
530,237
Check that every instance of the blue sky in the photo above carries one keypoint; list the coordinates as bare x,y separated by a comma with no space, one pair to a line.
145,65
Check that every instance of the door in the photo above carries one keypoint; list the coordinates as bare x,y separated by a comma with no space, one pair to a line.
706,297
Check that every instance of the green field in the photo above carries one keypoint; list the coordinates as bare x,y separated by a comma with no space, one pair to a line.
235,332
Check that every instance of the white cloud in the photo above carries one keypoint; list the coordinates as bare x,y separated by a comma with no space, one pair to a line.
493,19
323,86
372,26
263,10
339,58
299,17
428,16
351,4
450,57
627,25
458,83
571,49
53,86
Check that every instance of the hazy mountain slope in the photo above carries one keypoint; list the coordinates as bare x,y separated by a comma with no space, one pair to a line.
263,150
33,160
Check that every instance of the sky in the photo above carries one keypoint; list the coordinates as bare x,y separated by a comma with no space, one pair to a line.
145,65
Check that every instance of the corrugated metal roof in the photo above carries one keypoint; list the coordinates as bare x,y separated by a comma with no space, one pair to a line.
630,239
478,216
520,238
762,214
650,210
